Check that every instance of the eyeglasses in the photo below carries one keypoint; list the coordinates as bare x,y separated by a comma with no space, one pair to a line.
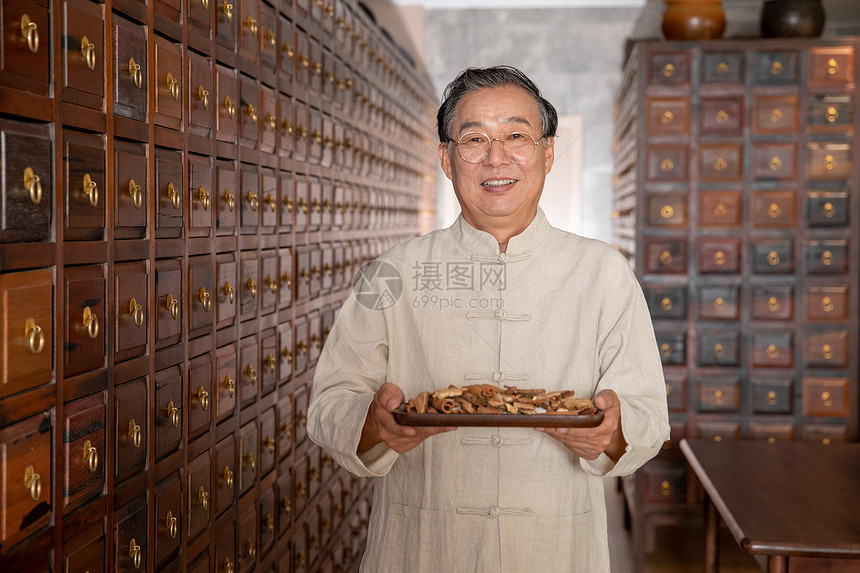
474,146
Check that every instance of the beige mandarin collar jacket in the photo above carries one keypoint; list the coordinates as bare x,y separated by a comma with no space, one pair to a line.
556,311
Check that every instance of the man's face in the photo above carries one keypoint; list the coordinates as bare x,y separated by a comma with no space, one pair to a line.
497,195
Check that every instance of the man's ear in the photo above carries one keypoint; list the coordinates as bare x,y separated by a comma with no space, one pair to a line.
549,154
444,158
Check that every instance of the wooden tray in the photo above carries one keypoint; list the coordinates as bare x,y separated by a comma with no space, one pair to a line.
508,420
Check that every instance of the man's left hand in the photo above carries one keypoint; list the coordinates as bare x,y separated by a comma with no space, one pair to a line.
589,443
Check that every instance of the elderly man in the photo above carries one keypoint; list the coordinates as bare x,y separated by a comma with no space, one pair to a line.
504,298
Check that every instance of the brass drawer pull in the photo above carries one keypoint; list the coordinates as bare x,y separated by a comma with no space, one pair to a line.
134,552
203,498
227,475
229,291
91,456
230,199
173,414
288,50
173,86
722,116
252,374
721,164
271,283
203,95
251,24
832,67
205,4
270,523
173,195
666,258
303,204
285,429
827,304
172,524
667,211
91,190
270,38
287,354
832,114
271,202
134,433
252,200
134,193
719,304
33,184
776,115
136,312
286,279
91,323
667,118
230,385
666,350
271,121
205,298
35,336
250,549
33,482
203,398
719,350
827,352
826,399
315,340
774,211
666,303
829,162
776,69
288,203
668,70
30,33
271,363
252,113
303,346
228,565
252,287
251,461
286,506
771,398
827,258
773,304
229,106
173,306
772,351
718,397
773,258
720,211
828,210
203,195
287,127
88,49
775,163
227,8
269,444
720,258
665,488
135,72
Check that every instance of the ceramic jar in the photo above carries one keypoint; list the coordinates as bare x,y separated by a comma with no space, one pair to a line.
791,18
693,20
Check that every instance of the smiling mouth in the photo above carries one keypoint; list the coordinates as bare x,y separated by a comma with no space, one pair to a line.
498,182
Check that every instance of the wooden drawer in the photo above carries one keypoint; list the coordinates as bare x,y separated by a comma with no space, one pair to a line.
287,351
773,161
301,409
328,313
130,70
200,17
228,108
168,518
825,209
772,302
668,68
83,54
772,349
248,542
200,195
25,50
250,116
268,525
27,330
676,392
772,257
719,302
824,257
723,67
771,432
301,131
251,203
168,302
268,445
831,67
827,303
131,543
268,200
85,189
720,209
225,474
130,435
86,320
666,210
86,551
201,292
169,198
199,479
226,20
718,347
226,288
828,348
301,352
666,162
130,205
663,483
201,98
285,500
168,84
168,411
664,256
286,274
169,9
249,30
830,113
327,280
315,141
722,115
773,209
301,491
287,46
200,395
269,39
672,346
286,125
718,256
229,197
84,451
285,424
26,471
226,380
268,360
249,277
268,119
719,395
28,190
316,66
248,456
315,336
303,63
826,433
302,203
721,162
772,396
249,369
717,431
774,114
829,161
269,281
826,396
776,68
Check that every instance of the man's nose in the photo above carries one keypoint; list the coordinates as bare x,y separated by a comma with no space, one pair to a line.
497,155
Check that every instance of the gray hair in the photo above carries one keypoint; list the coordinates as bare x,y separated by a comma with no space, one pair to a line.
474,79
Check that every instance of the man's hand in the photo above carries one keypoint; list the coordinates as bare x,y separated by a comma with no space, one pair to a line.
589,443
379,425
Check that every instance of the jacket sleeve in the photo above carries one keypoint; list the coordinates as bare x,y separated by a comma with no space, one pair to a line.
350,369
629,363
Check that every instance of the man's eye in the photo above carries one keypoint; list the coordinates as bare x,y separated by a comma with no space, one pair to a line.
515,136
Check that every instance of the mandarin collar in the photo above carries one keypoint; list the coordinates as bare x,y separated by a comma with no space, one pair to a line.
477,242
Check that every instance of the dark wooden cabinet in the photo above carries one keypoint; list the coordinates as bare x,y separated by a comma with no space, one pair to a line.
188,186
735,171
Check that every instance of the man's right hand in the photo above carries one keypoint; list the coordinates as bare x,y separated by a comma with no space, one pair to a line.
380,426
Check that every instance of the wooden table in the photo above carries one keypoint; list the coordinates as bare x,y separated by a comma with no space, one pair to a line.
797,503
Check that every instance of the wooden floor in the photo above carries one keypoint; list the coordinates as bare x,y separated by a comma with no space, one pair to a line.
679,550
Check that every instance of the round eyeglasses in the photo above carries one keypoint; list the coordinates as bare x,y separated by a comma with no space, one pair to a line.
474,146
